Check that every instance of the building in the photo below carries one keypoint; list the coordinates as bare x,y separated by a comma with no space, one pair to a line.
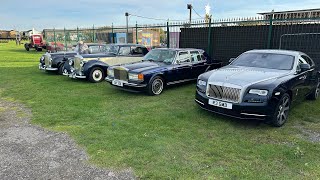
305,13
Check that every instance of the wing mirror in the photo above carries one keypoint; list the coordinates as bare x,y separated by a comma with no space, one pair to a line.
304,67
231,60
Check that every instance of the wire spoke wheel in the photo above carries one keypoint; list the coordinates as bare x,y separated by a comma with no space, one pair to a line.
157,86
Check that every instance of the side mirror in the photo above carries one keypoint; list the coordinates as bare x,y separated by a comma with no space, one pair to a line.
304,67
231,60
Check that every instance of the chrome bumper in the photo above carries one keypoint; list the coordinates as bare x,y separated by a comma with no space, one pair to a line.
51,69
41,67
128,84
75,76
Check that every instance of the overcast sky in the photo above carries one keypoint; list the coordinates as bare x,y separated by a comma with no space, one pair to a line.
23,15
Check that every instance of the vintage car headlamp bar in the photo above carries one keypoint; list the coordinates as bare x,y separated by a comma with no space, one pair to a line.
259,92
202,82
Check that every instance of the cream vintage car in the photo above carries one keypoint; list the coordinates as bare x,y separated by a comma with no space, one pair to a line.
93,67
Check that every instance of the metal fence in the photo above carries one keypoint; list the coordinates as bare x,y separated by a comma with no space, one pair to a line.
222,39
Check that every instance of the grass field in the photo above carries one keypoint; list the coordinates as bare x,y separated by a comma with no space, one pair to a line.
162,137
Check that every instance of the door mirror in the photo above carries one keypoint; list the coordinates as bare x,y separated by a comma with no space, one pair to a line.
231,60
304,67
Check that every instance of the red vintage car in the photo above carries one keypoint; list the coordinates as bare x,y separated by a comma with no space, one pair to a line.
36,41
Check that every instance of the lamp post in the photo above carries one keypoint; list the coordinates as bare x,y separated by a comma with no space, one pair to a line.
127,20
189,6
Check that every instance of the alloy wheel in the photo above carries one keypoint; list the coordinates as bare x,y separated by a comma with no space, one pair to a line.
157,86
283,110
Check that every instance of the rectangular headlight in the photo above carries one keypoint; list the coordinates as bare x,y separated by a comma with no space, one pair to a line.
202,83
259,92
135,77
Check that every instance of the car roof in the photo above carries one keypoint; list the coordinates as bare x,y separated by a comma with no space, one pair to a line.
276,51
181,49
127,44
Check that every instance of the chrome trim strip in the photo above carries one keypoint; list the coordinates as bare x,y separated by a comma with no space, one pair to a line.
51,69
258,115
199,102
181,81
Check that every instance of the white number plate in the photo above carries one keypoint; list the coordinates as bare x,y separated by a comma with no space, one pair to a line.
117,83
220,104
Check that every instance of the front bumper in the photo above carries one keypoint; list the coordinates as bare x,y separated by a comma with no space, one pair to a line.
43,67
256,111
74,75
128,85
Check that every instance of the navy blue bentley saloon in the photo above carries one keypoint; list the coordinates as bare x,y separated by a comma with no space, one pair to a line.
160,68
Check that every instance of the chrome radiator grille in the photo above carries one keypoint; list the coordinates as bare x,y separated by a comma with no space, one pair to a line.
224,93
120,74
47,60
77,64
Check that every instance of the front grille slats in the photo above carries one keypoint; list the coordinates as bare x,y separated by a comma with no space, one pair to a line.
121,74
47,60
77,64
224,93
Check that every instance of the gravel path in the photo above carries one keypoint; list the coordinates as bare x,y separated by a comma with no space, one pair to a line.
30,152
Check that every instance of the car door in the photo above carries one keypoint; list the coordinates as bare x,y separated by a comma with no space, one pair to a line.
182,68
312,78
125,56
199,64
300,84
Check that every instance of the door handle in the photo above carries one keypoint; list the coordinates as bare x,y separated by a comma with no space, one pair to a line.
303,77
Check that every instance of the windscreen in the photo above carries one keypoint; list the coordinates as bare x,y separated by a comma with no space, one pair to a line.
265,60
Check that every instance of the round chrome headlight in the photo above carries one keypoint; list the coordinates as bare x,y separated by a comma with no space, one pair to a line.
70,62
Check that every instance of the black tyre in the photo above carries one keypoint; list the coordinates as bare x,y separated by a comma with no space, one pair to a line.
315,92
39,49
26,46
61,69
155,86
281,112
96,75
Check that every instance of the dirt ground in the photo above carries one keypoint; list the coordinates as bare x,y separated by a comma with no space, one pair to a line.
31,152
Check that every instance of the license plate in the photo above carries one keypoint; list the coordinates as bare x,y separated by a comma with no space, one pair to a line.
117,83
220,104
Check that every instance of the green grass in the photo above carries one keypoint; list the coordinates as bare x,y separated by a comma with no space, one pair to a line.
162,137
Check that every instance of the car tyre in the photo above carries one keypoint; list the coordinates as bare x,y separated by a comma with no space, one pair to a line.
155,86
26,46
315,92
61,69
281,112
96,75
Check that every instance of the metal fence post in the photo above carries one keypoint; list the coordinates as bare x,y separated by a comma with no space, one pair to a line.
209,37
137,33
54,39
270,30
168,35
65,38
93,35
112,34
78,34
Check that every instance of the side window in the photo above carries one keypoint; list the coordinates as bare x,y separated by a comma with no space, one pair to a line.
136,50
124,51
195,56
308,60
183,57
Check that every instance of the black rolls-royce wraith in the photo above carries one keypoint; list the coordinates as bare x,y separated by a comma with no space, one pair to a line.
259,84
